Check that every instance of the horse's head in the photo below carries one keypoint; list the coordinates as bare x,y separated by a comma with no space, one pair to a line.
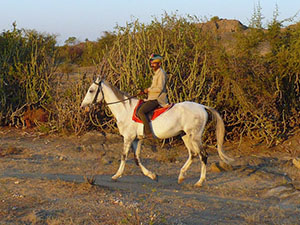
94,94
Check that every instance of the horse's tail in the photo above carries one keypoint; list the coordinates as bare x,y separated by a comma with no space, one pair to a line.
220,133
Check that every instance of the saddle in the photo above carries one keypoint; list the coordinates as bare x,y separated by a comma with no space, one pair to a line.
151,115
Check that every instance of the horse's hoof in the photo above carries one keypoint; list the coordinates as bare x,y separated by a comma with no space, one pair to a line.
114,178
180,180
154,177
198,184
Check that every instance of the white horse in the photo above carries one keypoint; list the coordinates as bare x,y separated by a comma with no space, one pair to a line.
186,118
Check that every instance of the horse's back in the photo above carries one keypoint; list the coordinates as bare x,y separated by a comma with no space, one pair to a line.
192,107
185,111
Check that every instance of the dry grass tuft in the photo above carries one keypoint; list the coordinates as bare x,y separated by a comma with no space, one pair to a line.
10,151
91,180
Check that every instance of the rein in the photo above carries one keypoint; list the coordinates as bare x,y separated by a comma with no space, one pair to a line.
111,103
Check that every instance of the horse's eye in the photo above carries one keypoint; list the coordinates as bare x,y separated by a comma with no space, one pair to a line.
91,91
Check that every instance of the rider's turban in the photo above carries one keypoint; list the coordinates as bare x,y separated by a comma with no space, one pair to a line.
155,58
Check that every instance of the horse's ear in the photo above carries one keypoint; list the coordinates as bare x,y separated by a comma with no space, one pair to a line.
103,77
99,78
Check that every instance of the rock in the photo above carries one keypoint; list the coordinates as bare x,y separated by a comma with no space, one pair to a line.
225,166
62,158
93,137
41,216
79,148
296,162
106,160
222,26
286,193
220,167
215,168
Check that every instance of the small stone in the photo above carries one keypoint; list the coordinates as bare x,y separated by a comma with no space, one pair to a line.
225,166
215,168
79,148
296,162
220,167
106,160
62,158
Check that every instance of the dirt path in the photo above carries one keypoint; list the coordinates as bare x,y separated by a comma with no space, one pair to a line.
43,180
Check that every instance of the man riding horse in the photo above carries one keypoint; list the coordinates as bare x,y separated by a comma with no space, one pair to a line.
186,118
157,94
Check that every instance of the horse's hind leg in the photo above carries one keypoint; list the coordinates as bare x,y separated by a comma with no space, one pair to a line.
126,148
187,141
137,145
203,159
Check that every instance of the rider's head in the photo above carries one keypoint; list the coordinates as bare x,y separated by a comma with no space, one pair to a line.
155,61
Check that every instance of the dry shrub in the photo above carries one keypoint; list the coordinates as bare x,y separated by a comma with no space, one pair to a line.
33,116
10,151
27,62
256,93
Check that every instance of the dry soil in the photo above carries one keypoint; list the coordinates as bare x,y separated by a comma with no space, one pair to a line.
49,179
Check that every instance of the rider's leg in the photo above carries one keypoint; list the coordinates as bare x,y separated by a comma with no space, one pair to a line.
145,108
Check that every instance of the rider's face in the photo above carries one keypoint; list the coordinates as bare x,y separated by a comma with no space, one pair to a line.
155,65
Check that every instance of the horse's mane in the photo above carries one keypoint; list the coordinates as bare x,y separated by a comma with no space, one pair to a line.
118,93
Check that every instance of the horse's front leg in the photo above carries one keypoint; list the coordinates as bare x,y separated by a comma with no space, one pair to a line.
126,148
137,145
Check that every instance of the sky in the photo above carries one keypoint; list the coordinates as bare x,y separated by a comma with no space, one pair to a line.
88,19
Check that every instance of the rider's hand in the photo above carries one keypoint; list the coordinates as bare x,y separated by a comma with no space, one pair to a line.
146,91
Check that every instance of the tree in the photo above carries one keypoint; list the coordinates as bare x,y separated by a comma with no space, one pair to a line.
71,41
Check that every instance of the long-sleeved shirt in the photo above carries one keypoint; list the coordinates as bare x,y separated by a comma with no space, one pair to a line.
157,90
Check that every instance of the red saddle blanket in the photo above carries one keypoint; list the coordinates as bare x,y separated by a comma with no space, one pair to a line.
155,114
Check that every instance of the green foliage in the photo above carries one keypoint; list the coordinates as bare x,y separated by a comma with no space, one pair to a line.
71,41
254,84
257,17
215,18
83,54
95,51
257,93
26,70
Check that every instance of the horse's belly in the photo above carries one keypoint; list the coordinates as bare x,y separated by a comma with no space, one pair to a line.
162,129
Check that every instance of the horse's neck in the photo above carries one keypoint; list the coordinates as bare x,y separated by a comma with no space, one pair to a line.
120,109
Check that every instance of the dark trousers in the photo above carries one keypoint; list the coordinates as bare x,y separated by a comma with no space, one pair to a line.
145,108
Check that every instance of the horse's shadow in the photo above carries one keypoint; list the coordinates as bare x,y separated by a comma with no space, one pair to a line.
257,168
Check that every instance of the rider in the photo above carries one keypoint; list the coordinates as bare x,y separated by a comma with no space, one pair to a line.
157,93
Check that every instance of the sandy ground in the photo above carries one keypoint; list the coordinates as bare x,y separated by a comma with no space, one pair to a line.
46,180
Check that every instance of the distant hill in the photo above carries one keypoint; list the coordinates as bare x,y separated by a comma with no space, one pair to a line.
225,30
221,26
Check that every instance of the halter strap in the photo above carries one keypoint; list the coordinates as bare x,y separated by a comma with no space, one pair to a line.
110,103
98,90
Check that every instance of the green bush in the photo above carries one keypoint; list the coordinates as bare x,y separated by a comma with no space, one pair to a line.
253,83
256,93
27,61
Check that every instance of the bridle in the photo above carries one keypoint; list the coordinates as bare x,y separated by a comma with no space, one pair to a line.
109,103
97,93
